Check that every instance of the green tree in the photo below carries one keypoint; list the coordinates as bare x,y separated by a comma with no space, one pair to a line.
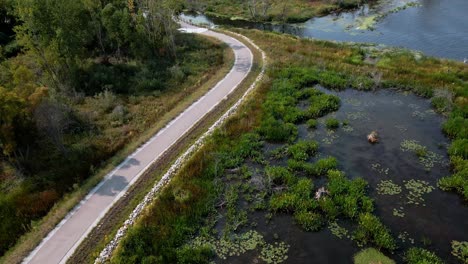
11,112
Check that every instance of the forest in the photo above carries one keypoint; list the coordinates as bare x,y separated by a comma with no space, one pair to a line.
80,80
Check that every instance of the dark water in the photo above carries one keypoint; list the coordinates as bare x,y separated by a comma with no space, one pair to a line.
397,117
440,217
437,28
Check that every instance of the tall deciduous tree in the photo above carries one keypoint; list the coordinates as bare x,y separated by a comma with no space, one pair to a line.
11,112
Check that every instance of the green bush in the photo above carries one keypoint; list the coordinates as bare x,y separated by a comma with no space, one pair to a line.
312,123
363,83
456,127
280,175
309,221
299,166
322,166
421,256
458,181
322,104
441,104
302,150
371,230
371,255
298,198
194,255
277,131
459,147
333,80
332,123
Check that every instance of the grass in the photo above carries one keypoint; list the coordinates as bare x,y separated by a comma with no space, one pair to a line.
421,256
183,97
371,256
332,123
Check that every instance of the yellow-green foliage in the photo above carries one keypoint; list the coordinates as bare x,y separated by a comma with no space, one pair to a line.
370,256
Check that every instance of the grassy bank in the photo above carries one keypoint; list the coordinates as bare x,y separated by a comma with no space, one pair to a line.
270,10
146,114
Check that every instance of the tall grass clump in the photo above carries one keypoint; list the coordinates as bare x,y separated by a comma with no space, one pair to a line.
371,255
416,255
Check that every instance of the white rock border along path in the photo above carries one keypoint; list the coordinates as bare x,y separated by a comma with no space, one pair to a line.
106,253
61,242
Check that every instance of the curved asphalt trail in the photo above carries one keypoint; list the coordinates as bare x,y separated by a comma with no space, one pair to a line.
60,243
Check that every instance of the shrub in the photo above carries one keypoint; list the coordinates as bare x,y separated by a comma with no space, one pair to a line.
333,80
332,123
309,221
280,175
459,180
322,166
277,131
322,104
106,100
421,256
371,255
371,230
441,104
298,198
194,255
299,166
302,150
459,147
456,127
312,123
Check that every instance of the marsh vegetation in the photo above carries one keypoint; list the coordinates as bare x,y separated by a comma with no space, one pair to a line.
296,178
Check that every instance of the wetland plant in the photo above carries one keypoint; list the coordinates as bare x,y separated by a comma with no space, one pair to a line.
371,255
387,187
371,230
332,123
312,123
460,250
420,256
302,150
417,188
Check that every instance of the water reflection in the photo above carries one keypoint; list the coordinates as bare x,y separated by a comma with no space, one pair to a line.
438,28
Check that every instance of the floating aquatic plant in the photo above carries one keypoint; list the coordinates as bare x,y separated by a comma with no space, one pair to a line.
417,188
348,129
398,212
357,115
379,168
353,101
418,114
460,250
404,236
388,187
239,244
426,158
338,231
274,253
402,128
330,138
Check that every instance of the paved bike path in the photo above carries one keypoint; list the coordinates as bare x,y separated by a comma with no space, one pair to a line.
61,243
